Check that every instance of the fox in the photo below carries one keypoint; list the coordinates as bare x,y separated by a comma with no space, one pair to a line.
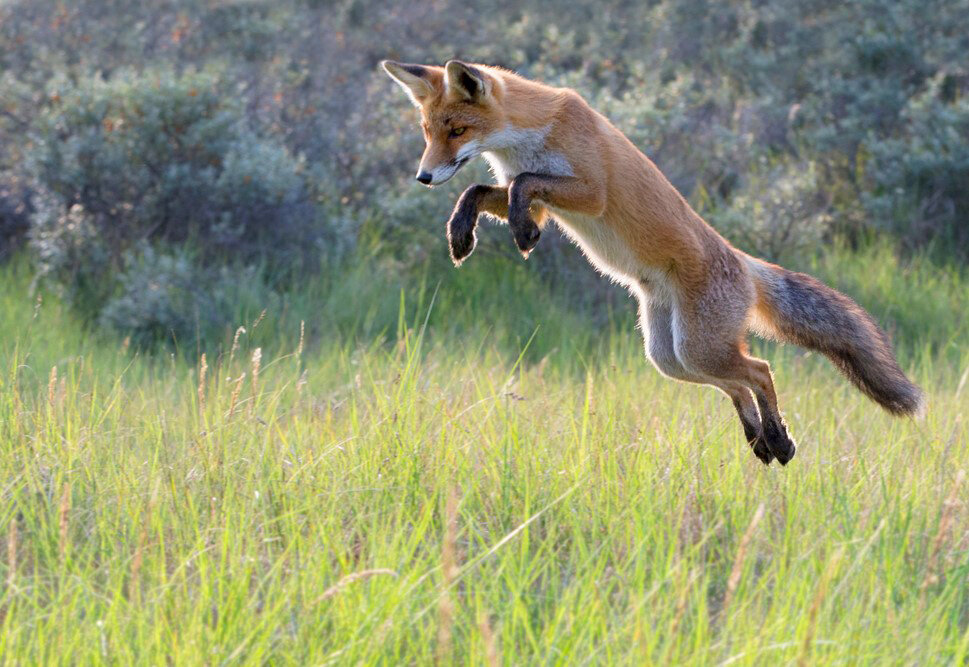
555,158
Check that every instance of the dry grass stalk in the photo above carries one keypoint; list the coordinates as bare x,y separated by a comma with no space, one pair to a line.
492,656
52,386
62,518
691,524
932,574
803,660
203,368
18,406
738,563
349,579
256,364
235,343
259,319
681,604
302,338
450,569
962,383
134,588
235,395
12,552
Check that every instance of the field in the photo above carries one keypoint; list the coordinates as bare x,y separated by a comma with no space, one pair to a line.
467,470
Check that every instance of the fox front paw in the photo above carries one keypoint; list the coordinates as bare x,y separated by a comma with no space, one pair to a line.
526,235
461,236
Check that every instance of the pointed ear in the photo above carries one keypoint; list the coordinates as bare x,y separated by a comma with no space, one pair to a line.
412,78
466,81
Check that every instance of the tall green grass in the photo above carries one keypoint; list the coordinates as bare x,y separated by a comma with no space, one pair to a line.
467,471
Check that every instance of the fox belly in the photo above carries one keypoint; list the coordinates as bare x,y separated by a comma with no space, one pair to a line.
613,257
600,244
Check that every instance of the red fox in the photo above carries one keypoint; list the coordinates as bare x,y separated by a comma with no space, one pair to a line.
553,156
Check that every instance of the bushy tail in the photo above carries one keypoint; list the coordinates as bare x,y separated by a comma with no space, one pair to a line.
797,308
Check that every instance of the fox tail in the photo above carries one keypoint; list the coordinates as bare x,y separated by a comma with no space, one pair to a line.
796,308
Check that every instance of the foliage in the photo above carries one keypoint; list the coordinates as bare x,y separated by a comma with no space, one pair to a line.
787,123
15,210
724,96
124,169
375,464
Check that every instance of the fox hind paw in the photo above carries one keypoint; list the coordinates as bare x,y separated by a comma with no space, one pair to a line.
779,441
762,451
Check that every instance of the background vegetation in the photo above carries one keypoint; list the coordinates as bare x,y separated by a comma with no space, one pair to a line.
175,138
249,413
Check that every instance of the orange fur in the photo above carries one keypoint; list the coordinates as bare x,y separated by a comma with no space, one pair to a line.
553,154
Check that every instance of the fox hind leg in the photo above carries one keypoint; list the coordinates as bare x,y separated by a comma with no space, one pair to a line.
775,428
727,362
708,335
656,321
743,402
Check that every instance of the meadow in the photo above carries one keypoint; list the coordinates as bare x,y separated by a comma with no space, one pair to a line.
465,469
250,414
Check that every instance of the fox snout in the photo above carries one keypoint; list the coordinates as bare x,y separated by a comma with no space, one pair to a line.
440,173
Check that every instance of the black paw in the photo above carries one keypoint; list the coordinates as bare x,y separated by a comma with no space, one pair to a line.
526,236
781,444
761,450
460,236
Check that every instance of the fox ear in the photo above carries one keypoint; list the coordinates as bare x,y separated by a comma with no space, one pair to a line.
412,78
465,81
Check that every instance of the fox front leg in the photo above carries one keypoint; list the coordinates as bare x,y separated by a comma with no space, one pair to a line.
571,193
461,226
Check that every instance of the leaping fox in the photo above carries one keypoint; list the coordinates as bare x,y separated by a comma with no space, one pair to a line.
554,156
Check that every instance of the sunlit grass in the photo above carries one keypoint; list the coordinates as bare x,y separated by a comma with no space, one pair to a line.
470,475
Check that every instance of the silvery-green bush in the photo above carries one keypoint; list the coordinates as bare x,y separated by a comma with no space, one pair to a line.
15,210
871,93
146,185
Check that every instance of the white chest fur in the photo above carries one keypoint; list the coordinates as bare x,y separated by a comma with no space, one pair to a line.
512,151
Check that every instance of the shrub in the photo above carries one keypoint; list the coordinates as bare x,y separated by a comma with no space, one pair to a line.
916,181
128,171
779,213
15,210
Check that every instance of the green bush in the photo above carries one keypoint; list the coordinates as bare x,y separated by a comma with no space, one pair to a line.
917,179
779,214
15,210
130,170
788,123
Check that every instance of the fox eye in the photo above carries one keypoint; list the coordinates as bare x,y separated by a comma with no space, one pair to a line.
458,131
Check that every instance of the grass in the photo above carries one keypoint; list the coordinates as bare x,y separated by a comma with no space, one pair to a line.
439,472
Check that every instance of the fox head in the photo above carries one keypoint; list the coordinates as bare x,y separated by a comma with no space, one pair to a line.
459,112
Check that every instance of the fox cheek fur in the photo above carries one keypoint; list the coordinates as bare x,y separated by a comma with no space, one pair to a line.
698,296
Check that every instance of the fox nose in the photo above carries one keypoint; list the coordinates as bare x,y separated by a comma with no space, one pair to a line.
424,177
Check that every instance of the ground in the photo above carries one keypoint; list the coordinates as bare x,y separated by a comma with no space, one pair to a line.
457,488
